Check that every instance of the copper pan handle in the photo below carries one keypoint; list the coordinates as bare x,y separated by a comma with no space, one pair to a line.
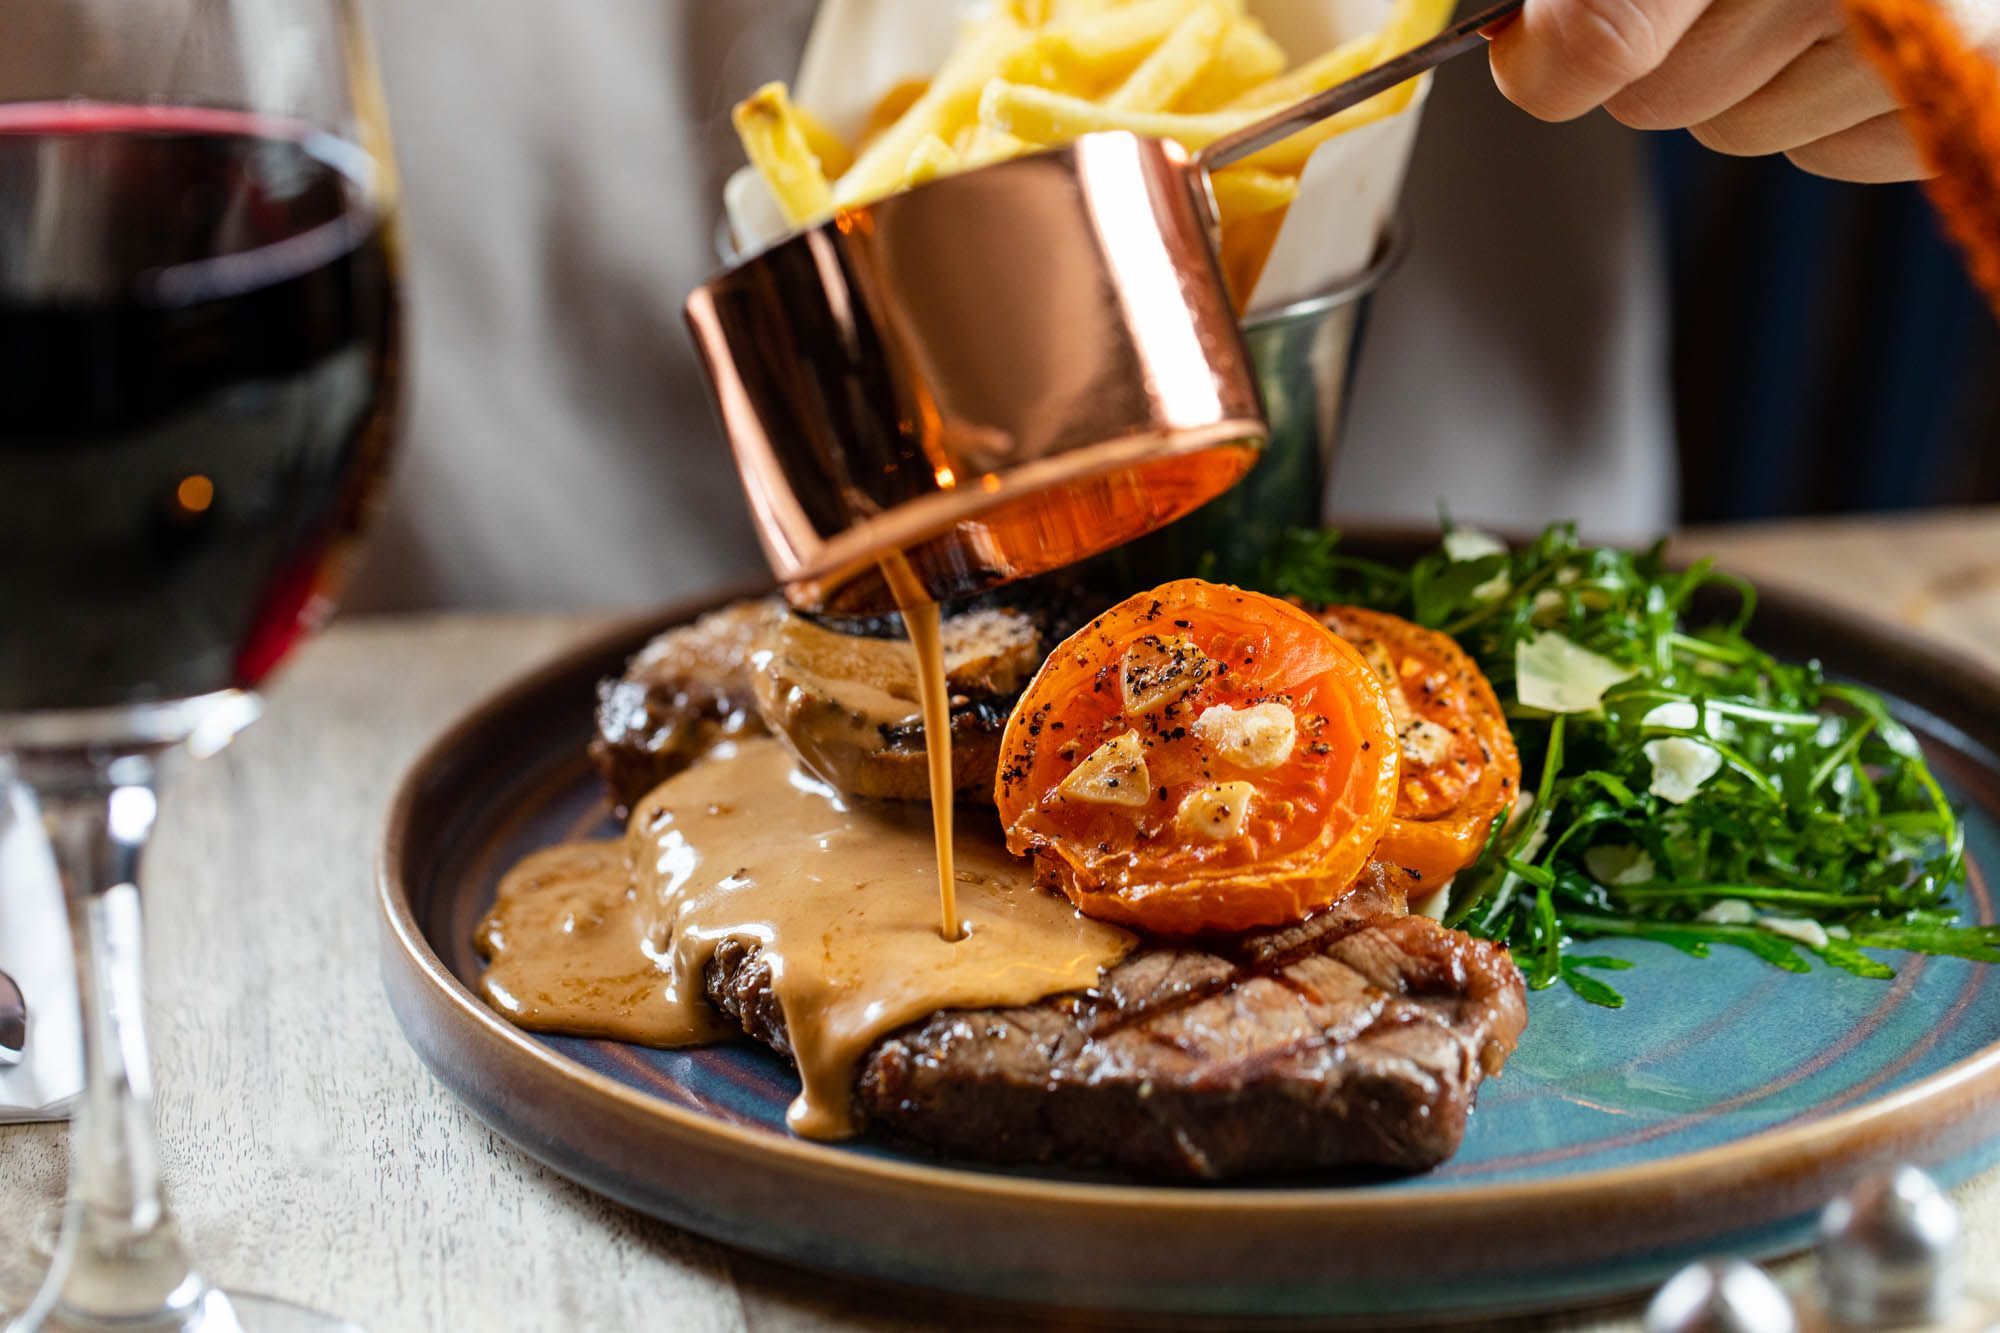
1459,38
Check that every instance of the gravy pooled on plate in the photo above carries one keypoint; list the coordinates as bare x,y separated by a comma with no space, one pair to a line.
613,939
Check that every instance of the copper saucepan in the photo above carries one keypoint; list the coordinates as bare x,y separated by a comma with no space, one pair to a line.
998,372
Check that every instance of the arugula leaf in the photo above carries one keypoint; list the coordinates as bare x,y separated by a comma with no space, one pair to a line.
1590,988
1822,808
1437,592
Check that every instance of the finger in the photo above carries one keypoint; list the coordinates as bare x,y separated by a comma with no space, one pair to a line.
1565,57
1874,152
1826,90
1733,49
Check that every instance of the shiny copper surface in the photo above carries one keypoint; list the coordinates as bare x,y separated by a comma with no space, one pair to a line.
999,372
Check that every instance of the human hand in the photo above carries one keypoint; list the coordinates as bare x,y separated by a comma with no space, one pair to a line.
1745,77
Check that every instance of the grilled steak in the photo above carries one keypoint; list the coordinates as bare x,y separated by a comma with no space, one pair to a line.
681,693
1357,1038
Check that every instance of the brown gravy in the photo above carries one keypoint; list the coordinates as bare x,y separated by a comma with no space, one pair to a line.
613,939
922,621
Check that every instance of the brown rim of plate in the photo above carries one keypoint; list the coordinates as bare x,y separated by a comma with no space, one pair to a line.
1913,1115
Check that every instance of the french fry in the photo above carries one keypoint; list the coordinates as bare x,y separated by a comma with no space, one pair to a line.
888,109
1242,192
1039,13
1289,156
984,145
1411,22
776,144
951,100
1246,58
1342,63
1042,116
1174,64
1034,64
931,158
1093,51
833,153
1246,248
1039,73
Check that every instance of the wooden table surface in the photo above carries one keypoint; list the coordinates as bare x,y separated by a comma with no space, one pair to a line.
311,1155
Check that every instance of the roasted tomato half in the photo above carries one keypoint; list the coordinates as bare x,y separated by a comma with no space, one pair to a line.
1199,758
1460,767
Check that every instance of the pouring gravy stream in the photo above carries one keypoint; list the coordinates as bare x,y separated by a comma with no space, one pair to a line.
921,619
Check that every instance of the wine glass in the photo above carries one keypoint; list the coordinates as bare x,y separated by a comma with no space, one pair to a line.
199,348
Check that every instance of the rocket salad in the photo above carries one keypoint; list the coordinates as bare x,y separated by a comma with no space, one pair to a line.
1680,784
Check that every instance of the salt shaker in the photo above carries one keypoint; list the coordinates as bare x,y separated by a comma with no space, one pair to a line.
1720,1296
1890,1254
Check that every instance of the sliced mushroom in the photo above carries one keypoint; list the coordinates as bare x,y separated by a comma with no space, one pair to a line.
847,705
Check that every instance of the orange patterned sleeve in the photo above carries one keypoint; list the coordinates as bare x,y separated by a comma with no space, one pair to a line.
1951,98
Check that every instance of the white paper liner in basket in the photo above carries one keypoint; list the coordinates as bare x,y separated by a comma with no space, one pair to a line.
859,49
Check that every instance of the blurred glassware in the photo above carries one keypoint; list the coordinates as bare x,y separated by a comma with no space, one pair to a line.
200,338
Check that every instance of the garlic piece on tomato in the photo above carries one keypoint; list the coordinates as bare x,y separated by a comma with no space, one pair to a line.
1425,743
1217,811
1113,774
1258,737
1160,669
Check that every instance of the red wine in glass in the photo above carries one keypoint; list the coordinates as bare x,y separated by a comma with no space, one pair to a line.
198,366
199,372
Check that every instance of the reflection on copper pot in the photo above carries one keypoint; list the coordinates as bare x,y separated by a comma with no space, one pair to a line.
1004,371
1000,373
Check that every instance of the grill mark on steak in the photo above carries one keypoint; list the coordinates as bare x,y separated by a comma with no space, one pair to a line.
1356,1038
1155,981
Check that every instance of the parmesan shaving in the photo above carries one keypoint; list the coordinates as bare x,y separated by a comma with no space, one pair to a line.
1463,545
1433,903
1680,767
1728,912
1557,676
1620,864
1803,929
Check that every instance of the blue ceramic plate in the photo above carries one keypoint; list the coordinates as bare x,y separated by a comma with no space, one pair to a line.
1717,1110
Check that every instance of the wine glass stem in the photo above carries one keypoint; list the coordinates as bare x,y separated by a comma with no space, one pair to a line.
120,1261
